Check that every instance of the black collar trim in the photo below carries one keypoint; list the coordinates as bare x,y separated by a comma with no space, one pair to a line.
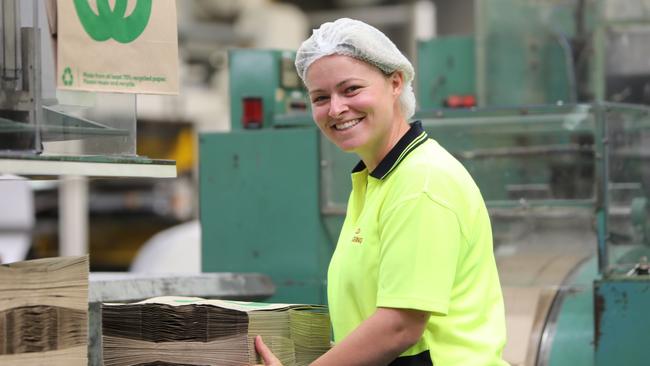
413,138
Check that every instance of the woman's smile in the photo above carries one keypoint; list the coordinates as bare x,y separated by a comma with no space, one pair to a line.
346,125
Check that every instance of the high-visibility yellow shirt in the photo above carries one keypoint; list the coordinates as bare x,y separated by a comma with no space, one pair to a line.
417,236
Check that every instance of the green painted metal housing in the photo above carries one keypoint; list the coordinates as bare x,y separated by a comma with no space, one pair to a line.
260,209
621,321
445,67
523,52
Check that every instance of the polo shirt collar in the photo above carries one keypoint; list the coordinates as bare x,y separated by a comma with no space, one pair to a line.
413,138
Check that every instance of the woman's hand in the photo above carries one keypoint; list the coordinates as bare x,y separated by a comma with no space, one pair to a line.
268,357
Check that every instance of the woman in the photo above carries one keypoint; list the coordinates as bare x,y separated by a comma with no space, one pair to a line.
413,279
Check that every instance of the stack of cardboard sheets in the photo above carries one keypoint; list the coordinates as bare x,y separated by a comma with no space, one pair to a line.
194,331
44,312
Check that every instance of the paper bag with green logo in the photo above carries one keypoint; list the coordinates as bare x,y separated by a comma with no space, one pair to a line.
128,46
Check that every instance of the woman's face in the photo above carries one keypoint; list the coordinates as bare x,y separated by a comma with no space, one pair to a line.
353,103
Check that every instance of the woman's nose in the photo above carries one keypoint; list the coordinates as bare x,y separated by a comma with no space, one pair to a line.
338,105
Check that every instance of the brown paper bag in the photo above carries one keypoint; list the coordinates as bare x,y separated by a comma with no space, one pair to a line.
128,46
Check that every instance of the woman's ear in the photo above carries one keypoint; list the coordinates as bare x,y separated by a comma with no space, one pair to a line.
397,83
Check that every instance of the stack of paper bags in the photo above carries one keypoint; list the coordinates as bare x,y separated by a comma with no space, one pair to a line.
194,331
44,312
310,332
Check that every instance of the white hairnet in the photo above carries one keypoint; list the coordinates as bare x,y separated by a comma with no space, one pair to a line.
359,40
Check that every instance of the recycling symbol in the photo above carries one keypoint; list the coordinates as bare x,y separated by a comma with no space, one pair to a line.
67,76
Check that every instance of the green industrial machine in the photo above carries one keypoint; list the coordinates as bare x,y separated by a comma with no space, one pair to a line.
521,54
567,189
564,174
561,179
535,52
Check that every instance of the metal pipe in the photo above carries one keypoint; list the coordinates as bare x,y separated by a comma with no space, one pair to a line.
10,43
525,151
73,216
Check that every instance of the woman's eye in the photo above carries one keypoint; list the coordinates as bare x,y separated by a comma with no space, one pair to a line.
318,99
352,89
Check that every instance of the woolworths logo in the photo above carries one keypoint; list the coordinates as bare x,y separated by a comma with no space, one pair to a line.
110,23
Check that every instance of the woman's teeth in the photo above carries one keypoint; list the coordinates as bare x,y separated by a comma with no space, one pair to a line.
347,125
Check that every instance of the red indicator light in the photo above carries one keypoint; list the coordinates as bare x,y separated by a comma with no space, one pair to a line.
460,101
469,101
253,115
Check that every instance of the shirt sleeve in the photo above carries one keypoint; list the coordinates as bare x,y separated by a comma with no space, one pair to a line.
420,246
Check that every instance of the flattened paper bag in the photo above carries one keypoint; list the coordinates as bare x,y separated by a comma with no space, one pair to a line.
128,46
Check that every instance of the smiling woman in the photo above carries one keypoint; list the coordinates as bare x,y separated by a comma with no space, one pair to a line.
413,279
356,106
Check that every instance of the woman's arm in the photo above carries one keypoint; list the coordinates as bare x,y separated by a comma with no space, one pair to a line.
377,341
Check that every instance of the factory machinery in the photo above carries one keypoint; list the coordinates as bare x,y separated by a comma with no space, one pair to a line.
555,131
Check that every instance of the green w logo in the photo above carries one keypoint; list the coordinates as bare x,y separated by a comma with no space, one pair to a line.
111,23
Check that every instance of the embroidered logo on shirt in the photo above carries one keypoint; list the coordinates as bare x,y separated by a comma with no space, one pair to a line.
356,238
